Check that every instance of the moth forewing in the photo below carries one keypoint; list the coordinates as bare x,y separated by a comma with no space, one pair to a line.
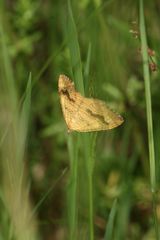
85,114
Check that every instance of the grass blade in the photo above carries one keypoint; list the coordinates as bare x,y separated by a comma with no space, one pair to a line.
24,119
79,140
148,97
73,140
110,224
146,73
14,124
9,84
87,70
74,51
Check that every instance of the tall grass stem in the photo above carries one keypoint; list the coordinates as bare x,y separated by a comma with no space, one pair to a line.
144,48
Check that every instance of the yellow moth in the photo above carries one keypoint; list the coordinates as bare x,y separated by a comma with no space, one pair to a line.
85,114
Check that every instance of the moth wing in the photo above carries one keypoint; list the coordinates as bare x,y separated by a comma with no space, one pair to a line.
93,115
70,108
104,113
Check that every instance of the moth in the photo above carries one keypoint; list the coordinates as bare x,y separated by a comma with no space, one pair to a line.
83,114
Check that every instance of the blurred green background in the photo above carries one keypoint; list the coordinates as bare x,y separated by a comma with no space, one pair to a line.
36,39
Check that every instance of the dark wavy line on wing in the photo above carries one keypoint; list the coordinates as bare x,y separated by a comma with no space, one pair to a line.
100,117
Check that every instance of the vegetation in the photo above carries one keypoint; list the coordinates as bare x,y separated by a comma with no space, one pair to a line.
56,185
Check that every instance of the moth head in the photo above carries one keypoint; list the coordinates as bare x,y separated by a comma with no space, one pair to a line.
65,84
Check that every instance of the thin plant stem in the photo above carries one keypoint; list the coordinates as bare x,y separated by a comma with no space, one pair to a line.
90,186
91,139
91,228
72,190
146,73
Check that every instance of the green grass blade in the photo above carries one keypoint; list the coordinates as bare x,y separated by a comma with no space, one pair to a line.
6,68
80,140
13,131
148,97
25,113
73,147
90,142
73,140
48,192
74,51
144,48
87,70
26,103
110,224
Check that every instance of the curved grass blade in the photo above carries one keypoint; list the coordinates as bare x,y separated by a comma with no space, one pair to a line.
110,224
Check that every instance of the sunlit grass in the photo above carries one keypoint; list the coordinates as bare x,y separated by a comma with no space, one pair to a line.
13,135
